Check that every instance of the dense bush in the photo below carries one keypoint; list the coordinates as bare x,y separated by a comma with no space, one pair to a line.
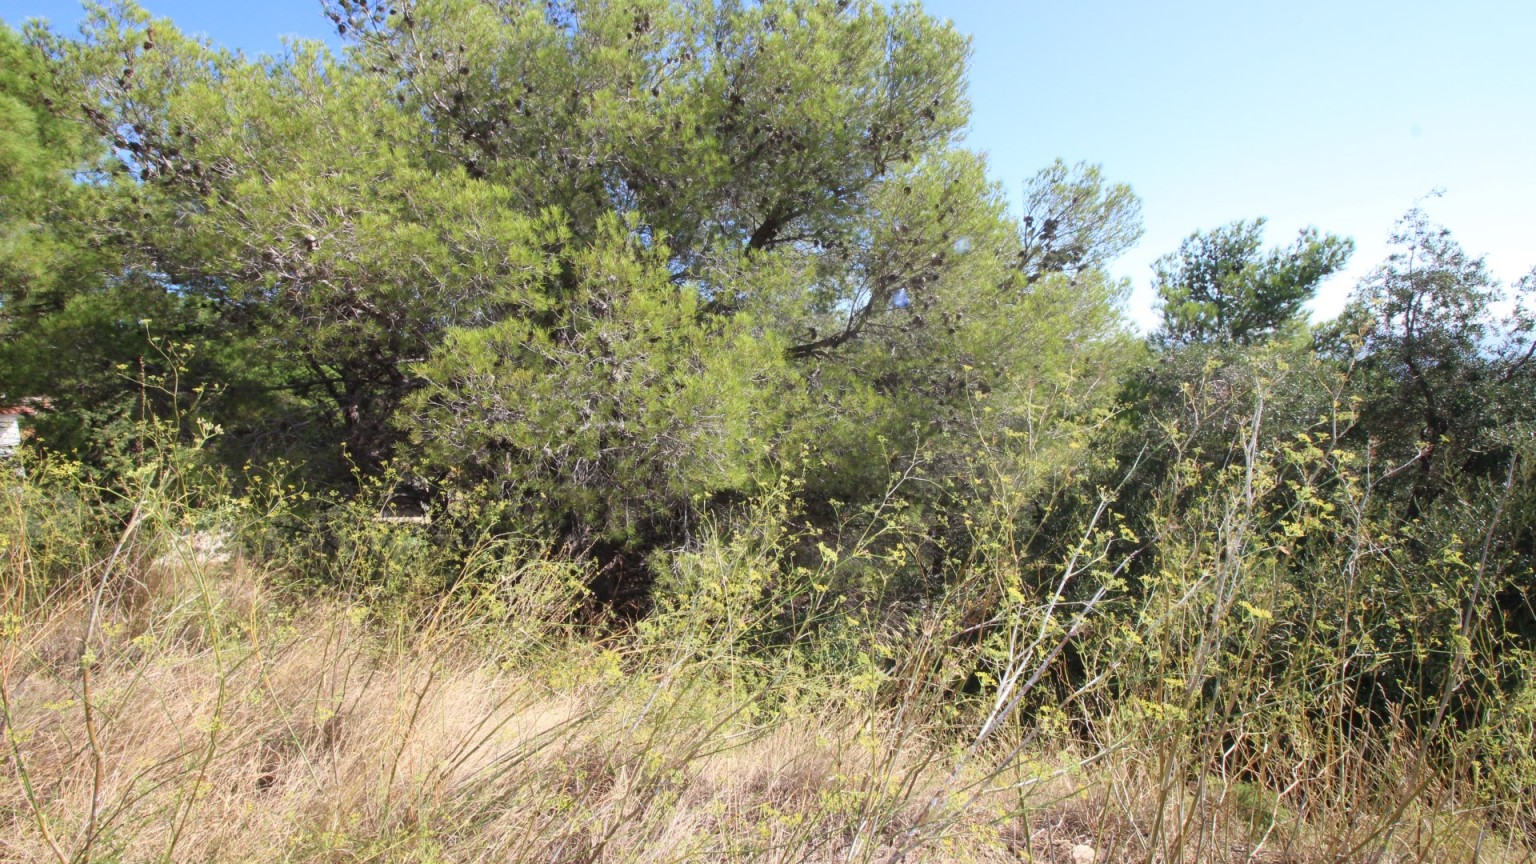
686,336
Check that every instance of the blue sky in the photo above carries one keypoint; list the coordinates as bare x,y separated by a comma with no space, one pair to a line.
1337,114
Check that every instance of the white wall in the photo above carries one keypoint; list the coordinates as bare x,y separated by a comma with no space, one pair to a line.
10,433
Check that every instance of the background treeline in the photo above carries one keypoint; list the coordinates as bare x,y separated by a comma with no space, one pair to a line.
658,283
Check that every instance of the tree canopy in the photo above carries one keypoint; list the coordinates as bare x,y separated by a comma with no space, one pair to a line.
621,266
1222,287
616,258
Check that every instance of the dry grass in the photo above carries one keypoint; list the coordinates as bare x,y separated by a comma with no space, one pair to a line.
225,725
229,731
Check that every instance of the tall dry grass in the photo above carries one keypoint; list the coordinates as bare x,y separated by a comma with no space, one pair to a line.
225,726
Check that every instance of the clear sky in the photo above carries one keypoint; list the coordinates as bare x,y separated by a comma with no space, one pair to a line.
1334,113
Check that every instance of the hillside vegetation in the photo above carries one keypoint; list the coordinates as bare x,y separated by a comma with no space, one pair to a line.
591,431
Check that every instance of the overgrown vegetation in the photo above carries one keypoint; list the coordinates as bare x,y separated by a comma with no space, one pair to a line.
596,431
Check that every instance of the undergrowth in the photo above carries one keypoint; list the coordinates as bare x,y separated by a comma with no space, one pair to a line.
180,684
